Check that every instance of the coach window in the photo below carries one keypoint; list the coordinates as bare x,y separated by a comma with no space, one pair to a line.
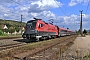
41,25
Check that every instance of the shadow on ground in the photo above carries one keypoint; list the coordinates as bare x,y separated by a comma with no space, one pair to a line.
24,40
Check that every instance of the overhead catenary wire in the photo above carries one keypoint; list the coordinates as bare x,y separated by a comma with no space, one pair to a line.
62,11
60,8
17,2
12,12
21,4
63,6
87,6
9,11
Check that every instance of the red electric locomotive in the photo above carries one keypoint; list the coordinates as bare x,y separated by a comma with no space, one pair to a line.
38,29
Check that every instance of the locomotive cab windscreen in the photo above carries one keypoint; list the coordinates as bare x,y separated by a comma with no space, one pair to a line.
30,28
31,25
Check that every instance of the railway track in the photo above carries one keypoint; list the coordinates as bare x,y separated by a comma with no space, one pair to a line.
49,52
1,38
39,54
10,46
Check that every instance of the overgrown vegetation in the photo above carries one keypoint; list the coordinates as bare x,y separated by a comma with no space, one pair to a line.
85,32
87,57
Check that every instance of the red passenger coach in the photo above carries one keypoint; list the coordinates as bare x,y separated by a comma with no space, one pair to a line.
62,31
69,32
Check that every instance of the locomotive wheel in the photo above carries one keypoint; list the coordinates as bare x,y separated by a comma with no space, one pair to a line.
53,37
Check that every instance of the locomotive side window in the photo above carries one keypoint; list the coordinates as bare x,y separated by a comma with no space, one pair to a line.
41,25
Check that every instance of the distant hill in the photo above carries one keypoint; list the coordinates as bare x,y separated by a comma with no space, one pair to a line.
11,23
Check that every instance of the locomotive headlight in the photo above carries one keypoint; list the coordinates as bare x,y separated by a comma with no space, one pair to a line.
24,36
33,30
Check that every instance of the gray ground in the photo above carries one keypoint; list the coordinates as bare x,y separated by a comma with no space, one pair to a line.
79,49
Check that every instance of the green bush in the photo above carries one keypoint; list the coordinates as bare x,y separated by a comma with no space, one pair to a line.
1,33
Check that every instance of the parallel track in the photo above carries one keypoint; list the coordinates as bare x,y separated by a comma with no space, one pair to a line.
6,47
46,48
2,38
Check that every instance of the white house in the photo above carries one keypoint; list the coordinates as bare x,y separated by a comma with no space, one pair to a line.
4,27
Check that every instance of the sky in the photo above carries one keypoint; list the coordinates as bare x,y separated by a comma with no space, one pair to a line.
64,13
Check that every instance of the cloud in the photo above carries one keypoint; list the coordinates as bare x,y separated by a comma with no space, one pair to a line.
72,3
44,15
28,8
43,5
17,1
75,2
37,9
5,1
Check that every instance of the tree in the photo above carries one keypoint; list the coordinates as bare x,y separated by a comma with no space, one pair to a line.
84,32
11,30
5,30
17,29
0,27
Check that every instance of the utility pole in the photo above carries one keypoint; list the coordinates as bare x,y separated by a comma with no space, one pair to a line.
21,24
81,23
